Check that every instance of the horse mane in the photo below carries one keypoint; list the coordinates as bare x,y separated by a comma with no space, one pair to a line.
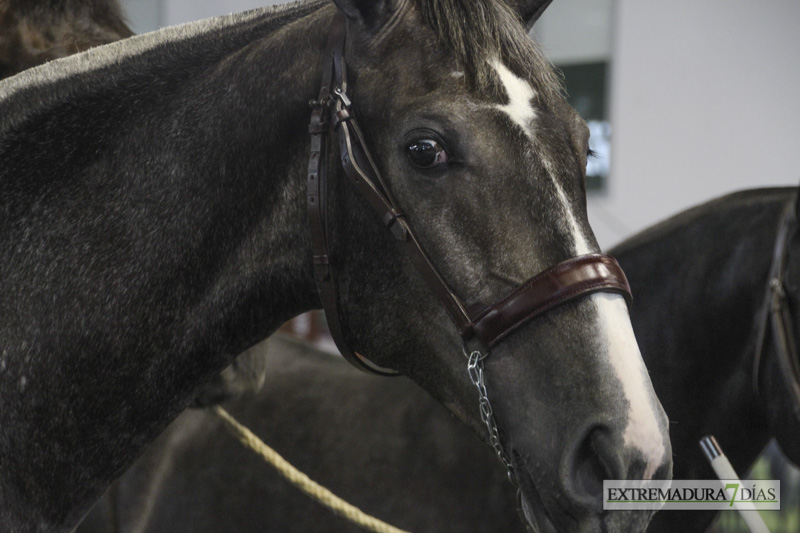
480,31
477,32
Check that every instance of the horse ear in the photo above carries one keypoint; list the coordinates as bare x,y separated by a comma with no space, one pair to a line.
529,10
371,13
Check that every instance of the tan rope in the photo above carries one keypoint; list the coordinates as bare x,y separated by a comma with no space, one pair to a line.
302,481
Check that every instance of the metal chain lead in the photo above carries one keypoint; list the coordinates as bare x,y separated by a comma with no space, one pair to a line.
475,370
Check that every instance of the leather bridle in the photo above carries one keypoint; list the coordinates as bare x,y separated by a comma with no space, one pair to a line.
775,313
488,324
477,323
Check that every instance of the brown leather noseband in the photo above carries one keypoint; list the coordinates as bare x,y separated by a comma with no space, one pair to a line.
489,324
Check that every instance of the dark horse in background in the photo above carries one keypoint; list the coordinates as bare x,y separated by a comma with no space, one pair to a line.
154,226
382,444
32,32
700,280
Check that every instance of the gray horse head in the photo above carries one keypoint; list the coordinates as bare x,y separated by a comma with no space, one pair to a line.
469,125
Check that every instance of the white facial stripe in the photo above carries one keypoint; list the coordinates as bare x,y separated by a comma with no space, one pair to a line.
520,93
581,245
521,111
614,325
642,431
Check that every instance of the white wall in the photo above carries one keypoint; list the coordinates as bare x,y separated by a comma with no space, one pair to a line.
576,31
142,15
179,11
705,99
149,15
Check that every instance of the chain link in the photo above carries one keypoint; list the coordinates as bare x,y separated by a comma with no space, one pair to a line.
475,370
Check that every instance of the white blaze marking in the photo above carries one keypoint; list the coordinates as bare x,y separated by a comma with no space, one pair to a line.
613,322
520,110
581,245
642,431
520,93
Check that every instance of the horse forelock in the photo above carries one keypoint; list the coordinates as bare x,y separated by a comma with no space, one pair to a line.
481,32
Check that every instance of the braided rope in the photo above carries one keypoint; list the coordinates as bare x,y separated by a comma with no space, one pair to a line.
302,481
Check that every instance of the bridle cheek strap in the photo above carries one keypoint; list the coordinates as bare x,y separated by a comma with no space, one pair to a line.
775,313
559,284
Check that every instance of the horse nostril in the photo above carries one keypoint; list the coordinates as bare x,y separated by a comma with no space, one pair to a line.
664,471
595,459
601,455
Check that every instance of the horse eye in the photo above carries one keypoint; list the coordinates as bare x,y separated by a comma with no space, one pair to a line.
427,153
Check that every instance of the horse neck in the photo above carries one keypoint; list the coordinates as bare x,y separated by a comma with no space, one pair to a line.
740,419
209,143
188,244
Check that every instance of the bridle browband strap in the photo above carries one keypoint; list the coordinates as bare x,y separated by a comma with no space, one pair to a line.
490,324
775,313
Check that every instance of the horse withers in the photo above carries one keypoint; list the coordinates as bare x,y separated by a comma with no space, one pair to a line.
156,188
